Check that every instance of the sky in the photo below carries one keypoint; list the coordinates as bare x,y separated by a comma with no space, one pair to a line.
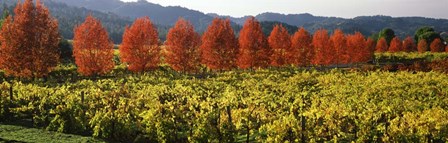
337,8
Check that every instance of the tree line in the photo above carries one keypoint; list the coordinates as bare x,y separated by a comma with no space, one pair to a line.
29,45
428,40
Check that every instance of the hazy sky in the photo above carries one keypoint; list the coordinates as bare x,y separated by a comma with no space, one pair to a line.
339,8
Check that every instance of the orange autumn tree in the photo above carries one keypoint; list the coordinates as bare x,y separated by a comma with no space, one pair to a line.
339,41
302,52
322,47
29,41
280,42
92,48
422,46
366,52
409,45
370,54
219,46
437,46
358,48
396,45
140,48
254,51
381,46
182,47
446,48
371,45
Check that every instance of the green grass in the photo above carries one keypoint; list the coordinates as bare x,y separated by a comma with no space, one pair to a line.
12,133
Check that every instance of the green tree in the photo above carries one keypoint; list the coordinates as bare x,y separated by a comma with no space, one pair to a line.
444,36
387,34
66,51
427,33
375,37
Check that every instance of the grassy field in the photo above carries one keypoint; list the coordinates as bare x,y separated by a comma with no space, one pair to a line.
14,133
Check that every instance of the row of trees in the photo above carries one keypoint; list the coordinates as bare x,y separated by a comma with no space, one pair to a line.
408,45
29,46
425,39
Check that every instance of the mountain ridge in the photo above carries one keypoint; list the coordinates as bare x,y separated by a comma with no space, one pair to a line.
158,14
367,25
125,12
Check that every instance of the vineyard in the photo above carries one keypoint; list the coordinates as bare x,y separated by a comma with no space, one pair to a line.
266,105
218,86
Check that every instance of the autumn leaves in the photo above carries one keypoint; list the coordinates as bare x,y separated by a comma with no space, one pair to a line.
92,48
140,48
29,41
219,49
254,50
29,46
408,45
182,43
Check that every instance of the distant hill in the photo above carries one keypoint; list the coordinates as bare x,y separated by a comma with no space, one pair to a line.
116,14
237,20
268,26
368,25
158,14
70,16
295,19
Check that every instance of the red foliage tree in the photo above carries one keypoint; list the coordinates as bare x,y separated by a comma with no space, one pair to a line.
140,48
422,46
371,49
396,45
219,46
359,51
446,48
254,50
381,46
92,48
322,46
437,46
371,44
339,43
182,47
280,42
409,45
302,51
29,41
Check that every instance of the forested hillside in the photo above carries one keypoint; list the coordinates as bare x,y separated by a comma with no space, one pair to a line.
367,25
159,14
116,14
69,16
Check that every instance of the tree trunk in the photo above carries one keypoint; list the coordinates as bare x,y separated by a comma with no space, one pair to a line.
248,130
229,118
11,94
